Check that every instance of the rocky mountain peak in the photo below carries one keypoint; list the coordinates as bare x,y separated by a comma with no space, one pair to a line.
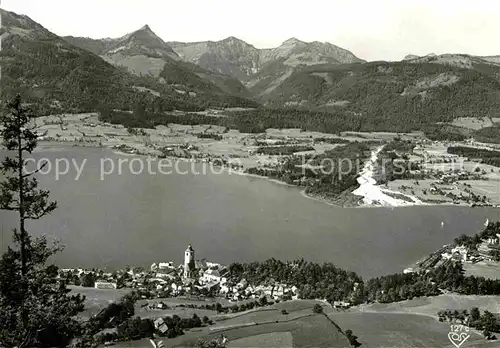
145,28
291,41
410,57
140,42
231,39
145,34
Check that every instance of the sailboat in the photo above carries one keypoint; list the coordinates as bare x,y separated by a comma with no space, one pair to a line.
487,222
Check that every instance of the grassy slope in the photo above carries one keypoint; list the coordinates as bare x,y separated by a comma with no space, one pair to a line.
397,330
429,306
207,85
224,83
307,329
409,323
97,299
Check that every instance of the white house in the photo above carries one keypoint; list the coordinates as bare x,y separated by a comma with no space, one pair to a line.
341,304
159,280
242,284
176,288
249,290
211,275
160,325
213,264
166,265
105,285
224,289
461,251
169,273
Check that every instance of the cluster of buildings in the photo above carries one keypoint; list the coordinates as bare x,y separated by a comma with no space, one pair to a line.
167,279
483,252
460,253
213,278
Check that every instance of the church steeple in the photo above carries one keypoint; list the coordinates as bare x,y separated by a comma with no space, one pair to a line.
188,262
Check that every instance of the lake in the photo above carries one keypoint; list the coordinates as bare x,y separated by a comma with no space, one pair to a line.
128,219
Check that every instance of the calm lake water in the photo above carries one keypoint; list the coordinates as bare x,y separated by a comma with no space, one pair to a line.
140,219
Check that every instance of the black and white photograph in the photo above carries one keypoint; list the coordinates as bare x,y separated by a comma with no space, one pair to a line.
263,174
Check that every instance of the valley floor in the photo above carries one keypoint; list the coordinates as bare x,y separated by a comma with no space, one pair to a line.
206,143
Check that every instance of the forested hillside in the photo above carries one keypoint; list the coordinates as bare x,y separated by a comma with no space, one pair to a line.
58,77
389,96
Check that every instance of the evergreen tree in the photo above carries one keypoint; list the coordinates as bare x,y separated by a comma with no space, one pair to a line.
353,339
36,308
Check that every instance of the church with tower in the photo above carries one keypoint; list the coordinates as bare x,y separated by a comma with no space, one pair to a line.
201,270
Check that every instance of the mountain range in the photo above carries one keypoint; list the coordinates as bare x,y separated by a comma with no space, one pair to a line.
60,76
81,74
261,70
229,63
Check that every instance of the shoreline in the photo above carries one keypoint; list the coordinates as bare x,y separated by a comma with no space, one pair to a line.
322,200
54,145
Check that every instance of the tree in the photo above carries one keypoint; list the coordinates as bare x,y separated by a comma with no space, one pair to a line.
487,334
317,308
263,301
88,280
35,306
196,321
353,340
495,254
214,343
475,315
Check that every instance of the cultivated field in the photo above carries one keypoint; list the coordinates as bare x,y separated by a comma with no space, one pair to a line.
429,306
97,299
397,330
181,312
265,327
487,269
311,331
269,340
404,324
87,130
472,122
385,136
145,343
261,316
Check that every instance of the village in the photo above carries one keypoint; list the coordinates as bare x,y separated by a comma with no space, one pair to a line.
194,279
437,175
476,255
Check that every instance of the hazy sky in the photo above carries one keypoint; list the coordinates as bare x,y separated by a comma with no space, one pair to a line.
371,29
